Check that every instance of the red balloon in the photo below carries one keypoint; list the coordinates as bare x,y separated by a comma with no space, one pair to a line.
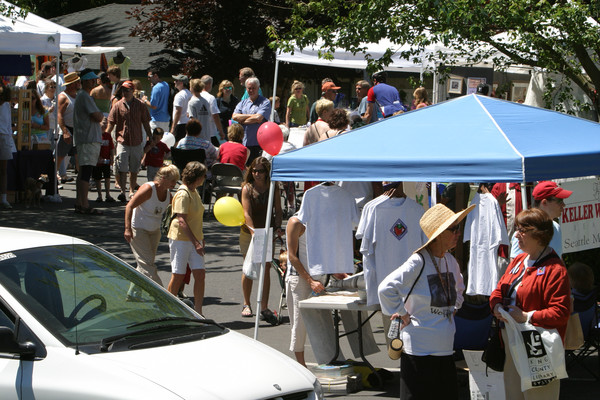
270,138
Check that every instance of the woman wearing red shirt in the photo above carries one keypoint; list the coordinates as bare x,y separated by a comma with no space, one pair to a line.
542,297
233,151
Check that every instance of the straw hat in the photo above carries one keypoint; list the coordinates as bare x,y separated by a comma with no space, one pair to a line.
439,218
71,77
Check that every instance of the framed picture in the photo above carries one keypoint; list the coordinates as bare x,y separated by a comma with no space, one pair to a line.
519,91
455,85
472,84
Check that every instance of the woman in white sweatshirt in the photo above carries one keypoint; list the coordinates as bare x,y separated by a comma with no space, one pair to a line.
433,279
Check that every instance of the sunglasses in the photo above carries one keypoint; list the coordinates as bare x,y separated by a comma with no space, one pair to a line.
228,88
259,171
453,229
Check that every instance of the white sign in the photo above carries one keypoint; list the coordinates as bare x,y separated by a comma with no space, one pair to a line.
580,220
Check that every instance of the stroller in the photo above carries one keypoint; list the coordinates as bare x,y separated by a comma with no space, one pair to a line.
280,265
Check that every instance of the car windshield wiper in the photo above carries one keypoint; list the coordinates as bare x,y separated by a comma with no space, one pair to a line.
107,341
178,319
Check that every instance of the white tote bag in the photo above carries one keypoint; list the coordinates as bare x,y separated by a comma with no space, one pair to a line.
538,353
253,259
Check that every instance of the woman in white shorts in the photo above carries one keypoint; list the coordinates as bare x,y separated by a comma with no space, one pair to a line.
186,239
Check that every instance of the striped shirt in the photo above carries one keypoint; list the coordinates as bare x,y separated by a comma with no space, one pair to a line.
129,119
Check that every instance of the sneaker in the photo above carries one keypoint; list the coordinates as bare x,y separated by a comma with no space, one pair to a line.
6,205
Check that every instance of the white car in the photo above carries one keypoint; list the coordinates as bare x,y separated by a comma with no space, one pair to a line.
69,330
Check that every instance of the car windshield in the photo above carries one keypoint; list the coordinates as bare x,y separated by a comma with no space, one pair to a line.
83,295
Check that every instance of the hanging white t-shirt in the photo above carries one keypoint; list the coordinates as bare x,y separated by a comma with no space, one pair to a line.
329,213
484,227
361,191
391,233
432,328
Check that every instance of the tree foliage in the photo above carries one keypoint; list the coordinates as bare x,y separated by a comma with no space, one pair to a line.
212,36
557,35
55,8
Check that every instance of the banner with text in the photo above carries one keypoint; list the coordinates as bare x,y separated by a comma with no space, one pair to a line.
580,220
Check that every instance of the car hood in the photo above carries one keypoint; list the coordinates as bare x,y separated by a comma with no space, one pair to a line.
229,366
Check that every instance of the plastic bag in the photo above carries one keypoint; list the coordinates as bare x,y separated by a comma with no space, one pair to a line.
253,259
537,352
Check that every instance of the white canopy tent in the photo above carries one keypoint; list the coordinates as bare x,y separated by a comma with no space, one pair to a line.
34,23
19,37
36,35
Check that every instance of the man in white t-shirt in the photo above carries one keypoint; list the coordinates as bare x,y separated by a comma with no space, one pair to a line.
215,125
198,108
180,106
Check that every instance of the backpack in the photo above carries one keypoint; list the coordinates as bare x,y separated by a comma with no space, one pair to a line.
168,217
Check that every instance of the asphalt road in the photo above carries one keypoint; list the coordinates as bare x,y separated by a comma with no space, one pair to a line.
223,296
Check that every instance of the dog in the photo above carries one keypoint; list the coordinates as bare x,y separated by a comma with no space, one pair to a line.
33,190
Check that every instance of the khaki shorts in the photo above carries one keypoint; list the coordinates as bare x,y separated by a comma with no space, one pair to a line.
88,153
129,158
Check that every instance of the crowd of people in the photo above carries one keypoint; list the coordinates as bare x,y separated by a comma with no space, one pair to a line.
111,127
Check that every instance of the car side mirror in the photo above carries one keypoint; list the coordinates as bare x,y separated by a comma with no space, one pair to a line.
9,344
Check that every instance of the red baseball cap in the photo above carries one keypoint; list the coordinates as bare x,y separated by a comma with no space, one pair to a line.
329,85
128,85
547,189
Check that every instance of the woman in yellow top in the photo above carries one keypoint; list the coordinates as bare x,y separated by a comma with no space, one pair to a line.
186,239
297,106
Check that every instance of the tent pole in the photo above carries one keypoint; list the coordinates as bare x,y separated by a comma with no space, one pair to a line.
55,195
274,90
524,194
261,276
435,88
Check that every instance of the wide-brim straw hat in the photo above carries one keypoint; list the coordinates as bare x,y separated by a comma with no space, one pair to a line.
439,218
71,77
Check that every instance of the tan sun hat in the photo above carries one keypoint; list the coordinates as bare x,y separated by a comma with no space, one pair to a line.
439,218
71,77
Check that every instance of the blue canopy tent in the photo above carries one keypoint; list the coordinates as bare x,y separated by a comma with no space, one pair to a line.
469,139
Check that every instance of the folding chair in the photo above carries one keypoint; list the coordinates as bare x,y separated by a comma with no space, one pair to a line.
226,180
587,307
181,157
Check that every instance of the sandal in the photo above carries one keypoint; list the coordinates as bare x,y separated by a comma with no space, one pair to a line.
90,211
246,311
269,316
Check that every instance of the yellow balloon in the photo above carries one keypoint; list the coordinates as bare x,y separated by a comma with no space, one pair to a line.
229,211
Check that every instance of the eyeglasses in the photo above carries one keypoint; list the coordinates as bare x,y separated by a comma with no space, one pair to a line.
453,229
523,230
259,171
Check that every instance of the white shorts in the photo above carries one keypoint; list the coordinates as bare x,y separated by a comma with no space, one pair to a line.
160,124
182,253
